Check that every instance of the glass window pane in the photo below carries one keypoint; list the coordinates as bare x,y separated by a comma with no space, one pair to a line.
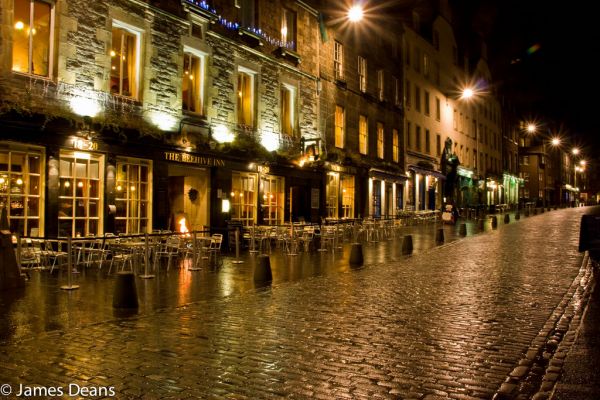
17,206
17,185
93,208
80,227
17,161
143,174
121,209
33,227
121,226
93,227
94,171
3,161
4,183
41,38
64,227
80,208
34,185
66,209
34,164
94,189
21,36
81,169
33,206
66,167
66,187
80,188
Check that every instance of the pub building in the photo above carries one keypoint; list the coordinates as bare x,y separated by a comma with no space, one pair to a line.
173,110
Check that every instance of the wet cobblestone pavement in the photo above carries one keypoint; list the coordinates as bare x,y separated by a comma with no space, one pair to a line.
452,321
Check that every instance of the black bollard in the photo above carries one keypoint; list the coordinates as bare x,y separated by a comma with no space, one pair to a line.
506,218
462,230
439,236
517,216
494,222
481,224
535,211
542,210
356,255
262,272
407,245
125,295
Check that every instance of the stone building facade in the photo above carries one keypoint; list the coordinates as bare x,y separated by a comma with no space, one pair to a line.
125,116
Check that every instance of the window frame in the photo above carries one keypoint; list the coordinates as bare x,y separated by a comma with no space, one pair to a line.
137,33
362,74
363,136
240,110
380,140
339,126
30,46
338,60
203,58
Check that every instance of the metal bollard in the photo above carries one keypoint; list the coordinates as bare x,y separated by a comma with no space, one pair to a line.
462,230
517,216
262,272
494,222
69,285
407,245
125,295
237,248
507,218
481,224
356,255
439,236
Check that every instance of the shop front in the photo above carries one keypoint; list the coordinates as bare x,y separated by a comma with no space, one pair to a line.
424,190
386,193
340,192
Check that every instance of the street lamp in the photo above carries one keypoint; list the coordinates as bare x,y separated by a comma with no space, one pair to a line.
531,128
467,93
355,13
575,151
555,141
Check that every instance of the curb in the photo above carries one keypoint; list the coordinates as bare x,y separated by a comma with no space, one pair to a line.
538,372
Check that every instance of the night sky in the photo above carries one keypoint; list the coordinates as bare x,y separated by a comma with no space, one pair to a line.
541,53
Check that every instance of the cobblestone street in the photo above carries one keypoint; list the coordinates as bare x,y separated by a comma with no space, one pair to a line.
452,321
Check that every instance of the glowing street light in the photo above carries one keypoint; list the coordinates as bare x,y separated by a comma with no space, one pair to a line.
555,141
355,13
582,163
467,93
575,151
531,128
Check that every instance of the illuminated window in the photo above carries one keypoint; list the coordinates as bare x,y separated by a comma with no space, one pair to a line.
245,97
133,196
22,188
362,74
124,60
243,197
332,192
395,145
273,198
33,37
347,183
363,134
288,109
379,140
339,127
338,60
288,28
80,194
194,66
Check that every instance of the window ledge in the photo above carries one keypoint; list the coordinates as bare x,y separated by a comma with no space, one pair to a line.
341,83
286,53
250,37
